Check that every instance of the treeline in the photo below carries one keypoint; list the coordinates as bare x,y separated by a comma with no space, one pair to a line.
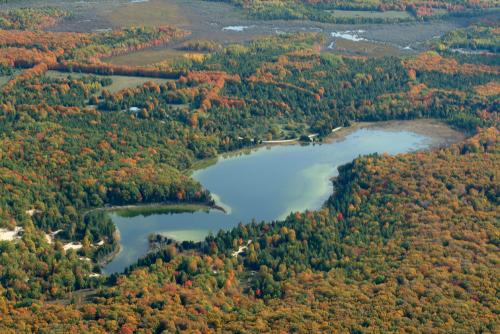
299,11
321,11
476,38
51,48
111,69
31,18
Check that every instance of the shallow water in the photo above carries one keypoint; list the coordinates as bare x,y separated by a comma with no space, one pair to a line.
235,28
352,35
267,184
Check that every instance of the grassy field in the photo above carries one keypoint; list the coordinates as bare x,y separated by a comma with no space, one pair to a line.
119,81
149,13
391,14
153,56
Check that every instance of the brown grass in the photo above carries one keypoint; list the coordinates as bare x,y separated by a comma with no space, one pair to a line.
119,81
152,56
150,13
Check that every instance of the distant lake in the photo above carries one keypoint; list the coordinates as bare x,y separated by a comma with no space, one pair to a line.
266,184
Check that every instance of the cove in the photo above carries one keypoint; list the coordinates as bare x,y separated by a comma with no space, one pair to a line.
269,183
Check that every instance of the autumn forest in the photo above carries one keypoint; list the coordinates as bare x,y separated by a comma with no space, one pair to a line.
405,243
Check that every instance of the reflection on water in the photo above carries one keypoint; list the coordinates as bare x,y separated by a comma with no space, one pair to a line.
265,185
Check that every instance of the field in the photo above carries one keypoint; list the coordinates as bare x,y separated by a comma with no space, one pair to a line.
149,13
119,81
153,56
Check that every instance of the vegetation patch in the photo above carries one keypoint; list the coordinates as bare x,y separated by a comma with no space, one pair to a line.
155,56
353,14
350,12
117,82
31,18
154,209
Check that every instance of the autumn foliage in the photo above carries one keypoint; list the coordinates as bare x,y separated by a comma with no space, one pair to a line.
431,61
406,243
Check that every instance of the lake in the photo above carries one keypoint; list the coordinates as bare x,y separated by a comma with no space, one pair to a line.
270,182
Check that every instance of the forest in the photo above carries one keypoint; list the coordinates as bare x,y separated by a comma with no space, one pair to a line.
406,243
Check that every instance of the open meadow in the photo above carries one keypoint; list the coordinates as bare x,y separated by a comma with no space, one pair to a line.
119,81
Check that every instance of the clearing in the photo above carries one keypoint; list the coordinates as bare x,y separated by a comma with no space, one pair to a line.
119,81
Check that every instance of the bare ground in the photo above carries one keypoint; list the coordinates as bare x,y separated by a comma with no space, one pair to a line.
440,134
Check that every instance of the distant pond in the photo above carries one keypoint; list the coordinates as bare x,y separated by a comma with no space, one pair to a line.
270,182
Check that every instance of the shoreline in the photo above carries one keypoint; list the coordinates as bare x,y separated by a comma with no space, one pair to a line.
188,206
152,207
439,134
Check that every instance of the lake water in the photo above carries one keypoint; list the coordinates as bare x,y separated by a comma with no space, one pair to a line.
267,184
